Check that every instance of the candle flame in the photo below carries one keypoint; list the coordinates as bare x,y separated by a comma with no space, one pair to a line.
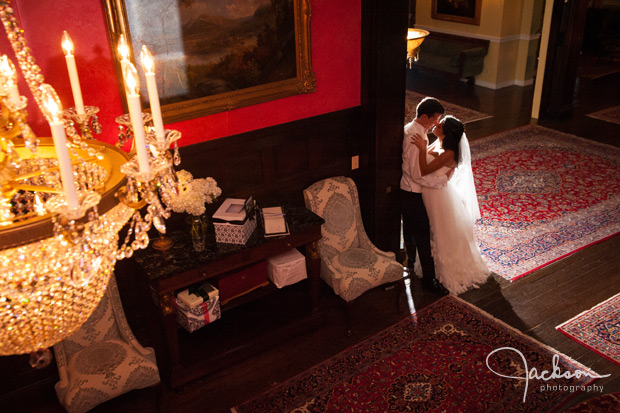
4,65
39,206
67,44
147,60
132,81
123,48
52,108
7,70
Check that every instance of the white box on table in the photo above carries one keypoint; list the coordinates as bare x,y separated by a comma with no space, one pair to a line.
231,223
287,268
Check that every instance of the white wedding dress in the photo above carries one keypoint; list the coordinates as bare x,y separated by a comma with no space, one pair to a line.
458,263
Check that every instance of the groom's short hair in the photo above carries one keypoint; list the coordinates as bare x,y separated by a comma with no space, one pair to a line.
429,106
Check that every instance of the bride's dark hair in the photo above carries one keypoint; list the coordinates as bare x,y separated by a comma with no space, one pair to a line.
453,129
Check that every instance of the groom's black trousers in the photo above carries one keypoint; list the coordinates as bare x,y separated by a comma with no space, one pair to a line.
416,231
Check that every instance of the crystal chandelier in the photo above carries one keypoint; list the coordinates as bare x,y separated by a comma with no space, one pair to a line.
65,199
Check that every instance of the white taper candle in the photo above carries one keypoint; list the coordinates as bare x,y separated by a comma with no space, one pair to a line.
67,46
64,163
132,90
151,85
53,112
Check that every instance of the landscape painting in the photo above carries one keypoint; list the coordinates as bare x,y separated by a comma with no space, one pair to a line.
215,55
460,11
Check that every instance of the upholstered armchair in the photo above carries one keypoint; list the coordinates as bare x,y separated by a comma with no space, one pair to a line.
103,359
350,263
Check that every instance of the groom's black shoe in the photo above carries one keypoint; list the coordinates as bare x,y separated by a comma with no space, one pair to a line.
433,285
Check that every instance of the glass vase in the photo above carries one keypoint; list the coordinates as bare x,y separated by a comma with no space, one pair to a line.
198,231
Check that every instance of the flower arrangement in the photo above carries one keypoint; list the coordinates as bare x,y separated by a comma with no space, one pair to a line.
194,193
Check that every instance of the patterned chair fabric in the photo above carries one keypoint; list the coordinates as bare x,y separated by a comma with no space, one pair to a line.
103,359
350,263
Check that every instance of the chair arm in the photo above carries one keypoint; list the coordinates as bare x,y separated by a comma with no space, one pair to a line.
387,254
61,363
478,51
122,325
472,53
366,243
470,61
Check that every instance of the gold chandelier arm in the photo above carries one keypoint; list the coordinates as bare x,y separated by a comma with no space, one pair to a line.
122,196
9,129
35,188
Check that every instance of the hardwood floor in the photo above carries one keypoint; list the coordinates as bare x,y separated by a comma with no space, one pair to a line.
538,302
534,304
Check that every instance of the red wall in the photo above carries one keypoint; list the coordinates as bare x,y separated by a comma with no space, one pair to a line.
335,34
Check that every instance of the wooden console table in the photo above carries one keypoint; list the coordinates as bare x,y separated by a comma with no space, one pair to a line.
249,323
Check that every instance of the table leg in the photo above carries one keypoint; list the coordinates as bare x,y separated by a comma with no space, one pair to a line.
171,335
313,260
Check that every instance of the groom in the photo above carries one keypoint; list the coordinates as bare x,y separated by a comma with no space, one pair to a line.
416,228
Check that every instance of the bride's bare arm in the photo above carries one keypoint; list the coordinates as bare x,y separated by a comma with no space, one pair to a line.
426,168
442,160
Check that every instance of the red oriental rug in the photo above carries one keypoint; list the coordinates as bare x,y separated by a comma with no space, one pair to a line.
466,115
598,329
543,195
447,357
598,404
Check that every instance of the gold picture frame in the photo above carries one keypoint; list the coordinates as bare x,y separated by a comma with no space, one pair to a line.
460,11
281,39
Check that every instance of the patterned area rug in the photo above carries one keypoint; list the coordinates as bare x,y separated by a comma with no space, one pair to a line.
464,114
543,195
598,404
598,329
609,115
447,357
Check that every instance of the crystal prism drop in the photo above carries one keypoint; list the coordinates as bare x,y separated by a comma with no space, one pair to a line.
176,157
159,224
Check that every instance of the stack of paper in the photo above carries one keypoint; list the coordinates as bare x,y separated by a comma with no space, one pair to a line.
274,222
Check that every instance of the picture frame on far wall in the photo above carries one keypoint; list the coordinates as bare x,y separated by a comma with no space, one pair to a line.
213,56
459,11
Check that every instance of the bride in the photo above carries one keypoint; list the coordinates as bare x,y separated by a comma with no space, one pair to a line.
453,209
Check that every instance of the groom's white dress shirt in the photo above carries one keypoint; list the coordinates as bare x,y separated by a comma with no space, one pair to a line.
412,179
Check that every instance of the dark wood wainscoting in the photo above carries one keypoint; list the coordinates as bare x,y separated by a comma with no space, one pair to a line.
384,34
565,40
278,162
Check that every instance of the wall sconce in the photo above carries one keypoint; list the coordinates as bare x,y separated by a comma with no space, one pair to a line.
415,37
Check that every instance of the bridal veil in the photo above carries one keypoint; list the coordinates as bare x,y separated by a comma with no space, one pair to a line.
464,180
